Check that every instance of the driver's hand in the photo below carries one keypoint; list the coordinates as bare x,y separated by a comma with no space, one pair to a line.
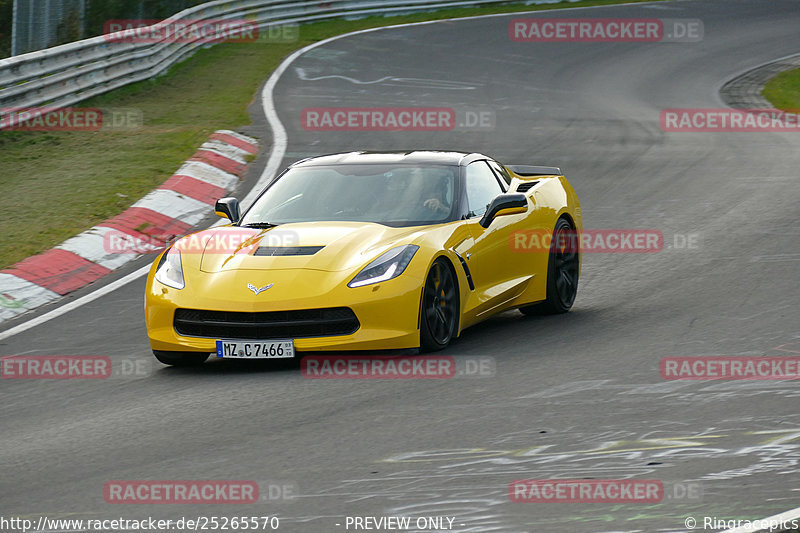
434,205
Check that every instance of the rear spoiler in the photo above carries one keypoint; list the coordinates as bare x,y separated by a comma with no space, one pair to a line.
530,170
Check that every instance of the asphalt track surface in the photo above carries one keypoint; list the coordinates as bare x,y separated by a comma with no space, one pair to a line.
572,396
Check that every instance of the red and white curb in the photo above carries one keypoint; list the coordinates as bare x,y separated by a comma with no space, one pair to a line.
167,212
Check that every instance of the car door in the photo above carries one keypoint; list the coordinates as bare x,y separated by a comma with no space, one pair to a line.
497,271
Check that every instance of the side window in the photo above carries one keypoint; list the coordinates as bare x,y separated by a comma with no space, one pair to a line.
501,172
482,187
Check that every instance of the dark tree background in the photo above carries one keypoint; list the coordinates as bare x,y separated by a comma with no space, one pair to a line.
6,12
100,11
96,14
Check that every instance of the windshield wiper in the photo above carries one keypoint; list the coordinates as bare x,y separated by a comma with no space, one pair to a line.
260,225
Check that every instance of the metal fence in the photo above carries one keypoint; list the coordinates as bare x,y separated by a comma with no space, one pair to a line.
66,74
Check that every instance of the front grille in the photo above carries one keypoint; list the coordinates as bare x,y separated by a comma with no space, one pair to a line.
266,325
287,250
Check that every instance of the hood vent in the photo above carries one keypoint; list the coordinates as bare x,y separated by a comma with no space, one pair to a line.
274,251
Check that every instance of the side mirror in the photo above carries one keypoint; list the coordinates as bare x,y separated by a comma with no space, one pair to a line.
228,208
504,204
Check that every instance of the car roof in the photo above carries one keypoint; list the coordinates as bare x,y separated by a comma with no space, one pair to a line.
429,157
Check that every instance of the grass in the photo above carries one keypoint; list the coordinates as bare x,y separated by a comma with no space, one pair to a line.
783,91
54,185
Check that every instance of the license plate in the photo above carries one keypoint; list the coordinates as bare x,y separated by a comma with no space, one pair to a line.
274,349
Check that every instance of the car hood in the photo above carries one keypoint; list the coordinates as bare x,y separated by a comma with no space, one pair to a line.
325,246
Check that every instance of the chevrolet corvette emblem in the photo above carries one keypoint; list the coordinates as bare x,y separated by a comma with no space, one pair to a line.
257,290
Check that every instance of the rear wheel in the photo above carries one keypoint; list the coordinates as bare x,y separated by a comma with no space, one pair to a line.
181,358
440,307
562,272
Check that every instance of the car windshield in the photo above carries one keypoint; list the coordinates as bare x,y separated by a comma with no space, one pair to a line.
393,195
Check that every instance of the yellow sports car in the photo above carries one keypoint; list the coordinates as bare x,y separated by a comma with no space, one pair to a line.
367,251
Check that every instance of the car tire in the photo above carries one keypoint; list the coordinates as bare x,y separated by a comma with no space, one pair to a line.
562,272
440,309
181,358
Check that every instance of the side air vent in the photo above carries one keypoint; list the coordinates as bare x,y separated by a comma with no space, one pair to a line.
287,250
525,186
467,273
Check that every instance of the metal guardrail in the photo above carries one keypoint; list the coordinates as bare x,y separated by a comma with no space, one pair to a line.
67,74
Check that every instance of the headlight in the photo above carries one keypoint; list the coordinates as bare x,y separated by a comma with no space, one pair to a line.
388,265
170,270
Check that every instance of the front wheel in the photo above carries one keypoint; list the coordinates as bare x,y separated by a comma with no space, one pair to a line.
440,308
562,272
181,358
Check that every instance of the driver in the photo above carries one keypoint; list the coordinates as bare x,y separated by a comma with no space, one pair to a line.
437,192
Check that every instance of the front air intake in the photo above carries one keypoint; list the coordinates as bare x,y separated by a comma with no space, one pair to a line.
265,325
